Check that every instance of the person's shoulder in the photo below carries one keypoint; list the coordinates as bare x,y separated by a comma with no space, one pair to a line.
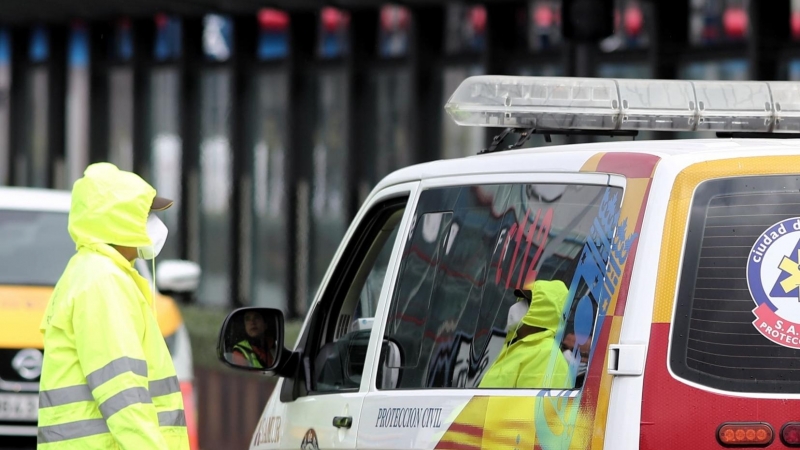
92,272
93,266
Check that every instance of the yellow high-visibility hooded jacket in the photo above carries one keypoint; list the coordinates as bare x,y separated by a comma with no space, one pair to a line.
534,361
108,381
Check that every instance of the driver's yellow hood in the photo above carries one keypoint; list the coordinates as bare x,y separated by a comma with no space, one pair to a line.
22,307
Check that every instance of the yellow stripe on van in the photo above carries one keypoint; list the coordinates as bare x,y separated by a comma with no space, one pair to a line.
591,164
678,210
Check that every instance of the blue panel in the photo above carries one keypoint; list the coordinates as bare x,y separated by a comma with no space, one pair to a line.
167,44
39,49
5,47
273,45
123,42
332,46
794,70
79,47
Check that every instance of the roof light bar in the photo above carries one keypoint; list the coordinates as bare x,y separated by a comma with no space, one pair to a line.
563,103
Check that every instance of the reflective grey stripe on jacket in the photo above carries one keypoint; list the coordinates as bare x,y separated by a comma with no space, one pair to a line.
172,418
123,399
65,395
166,386
81,393
115,368
71,430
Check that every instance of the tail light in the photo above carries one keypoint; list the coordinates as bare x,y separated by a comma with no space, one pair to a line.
745,434
790,434
190,411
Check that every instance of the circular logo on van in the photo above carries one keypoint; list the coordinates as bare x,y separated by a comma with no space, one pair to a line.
773,278
28,363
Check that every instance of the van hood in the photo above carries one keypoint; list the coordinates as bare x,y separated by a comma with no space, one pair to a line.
110,206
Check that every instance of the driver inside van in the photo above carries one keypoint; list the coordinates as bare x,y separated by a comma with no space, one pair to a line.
258,347
531,357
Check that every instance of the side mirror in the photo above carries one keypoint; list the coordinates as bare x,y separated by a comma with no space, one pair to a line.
252,339
176,276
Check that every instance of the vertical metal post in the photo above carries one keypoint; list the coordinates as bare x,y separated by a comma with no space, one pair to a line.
99,49
189,66
769,29
364,38
579,63
301,116
427,52
506,38
17,125
668,24
669,36
244,49
504,42
57,104
143,39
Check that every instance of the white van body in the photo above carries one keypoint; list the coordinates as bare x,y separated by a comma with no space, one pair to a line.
681,258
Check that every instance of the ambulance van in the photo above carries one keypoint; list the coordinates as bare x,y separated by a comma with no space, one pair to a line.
34,250
659,283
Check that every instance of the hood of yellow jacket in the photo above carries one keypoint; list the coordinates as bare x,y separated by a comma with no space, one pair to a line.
110,206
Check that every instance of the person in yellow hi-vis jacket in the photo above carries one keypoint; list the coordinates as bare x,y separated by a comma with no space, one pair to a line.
108,381
531,357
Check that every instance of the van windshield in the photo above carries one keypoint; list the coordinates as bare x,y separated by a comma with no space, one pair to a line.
35,247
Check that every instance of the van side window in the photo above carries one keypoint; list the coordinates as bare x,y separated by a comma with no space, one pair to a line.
454,320
737,313
350,300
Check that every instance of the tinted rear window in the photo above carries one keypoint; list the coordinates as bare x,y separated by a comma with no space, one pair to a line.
737,320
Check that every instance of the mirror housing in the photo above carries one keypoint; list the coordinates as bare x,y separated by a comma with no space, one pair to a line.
251,339
177,276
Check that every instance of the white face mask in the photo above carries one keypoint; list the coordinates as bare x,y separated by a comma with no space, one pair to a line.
515,314
157,232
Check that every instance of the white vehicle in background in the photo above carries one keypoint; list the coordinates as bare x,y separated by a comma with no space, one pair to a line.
35,247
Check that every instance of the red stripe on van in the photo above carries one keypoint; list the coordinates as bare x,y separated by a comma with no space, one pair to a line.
451,445
631,165
471,430
675,415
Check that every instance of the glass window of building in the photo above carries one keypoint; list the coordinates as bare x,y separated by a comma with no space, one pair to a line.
328,174
77,99
166,152
216,186
269,268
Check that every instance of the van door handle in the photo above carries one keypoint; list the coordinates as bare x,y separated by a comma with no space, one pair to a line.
626,359
342,421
